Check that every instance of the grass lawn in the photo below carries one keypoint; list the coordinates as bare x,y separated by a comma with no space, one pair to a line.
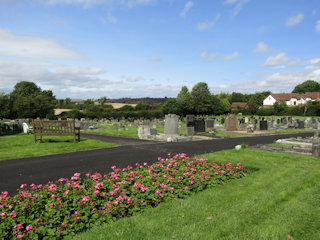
21,145
280,199
129,132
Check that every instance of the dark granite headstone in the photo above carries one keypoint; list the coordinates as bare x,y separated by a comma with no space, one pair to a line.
199,125
263,125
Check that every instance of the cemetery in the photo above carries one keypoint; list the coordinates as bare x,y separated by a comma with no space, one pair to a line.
152,193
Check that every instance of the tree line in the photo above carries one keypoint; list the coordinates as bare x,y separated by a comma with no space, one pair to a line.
27,100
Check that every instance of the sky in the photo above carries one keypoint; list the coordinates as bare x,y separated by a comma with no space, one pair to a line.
87,49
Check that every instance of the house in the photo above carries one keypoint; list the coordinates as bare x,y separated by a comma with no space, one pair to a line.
291,99
236,105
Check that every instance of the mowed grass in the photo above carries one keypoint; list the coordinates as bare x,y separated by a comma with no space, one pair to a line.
128,131
21,146
279,199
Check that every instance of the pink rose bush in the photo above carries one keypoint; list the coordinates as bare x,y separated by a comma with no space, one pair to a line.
68,206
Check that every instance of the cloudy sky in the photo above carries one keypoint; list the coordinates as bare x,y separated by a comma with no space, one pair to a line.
151,48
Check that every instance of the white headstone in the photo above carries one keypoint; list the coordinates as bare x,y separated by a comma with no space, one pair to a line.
25,127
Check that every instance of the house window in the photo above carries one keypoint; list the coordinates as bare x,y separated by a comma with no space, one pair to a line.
294,103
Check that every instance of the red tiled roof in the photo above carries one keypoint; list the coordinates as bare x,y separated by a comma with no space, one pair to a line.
235,105
288,96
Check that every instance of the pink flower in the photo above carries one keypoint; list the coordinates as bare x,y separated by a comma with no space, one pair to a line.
18,226
13,214
96,192
158,191
29,227
52,187
85,199
171,188
3,214
23,186
66,191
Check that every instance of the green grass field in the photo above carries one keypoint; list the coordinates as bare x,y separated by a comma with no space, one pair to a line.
279,199
21,146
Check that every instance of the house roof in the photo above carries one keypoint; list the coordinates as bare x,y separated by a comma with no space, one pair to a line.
288,96
235,105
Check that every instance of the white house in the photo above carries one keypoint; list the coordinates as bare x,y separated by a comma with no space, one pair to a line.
291,99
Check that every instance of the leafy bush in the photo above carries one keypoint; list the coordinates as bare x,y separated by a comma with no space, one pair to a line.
68,206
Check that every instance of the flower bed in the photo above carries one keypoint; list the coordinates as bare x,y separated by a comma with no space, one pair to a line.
68,206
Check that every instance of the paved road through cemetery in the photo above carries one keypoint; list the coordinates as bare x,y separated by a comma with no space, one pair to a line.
40,170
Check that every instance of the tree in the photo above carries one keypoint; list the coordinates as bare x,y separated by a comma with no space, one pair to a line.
280,108
6,106
237,97
202,98
171,106
28,101
142,106
102,100
307,86
226,105
252,107
25,89
185,101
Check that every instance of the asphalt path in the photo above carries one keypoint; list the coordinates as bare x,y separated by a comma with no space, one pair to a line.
41,170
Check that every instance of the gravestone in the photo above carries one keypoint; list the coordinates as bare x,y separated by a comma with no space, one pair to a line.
171,125
209,124
190,120
243,126
263,125
300,124
144,131
199,125
25,128
189,131
231,123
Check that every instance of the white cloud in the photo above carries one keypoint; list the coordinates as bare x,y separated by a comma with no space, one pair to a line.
315,61
109,18
186,9
155,59
208,25
80,70
294,63
318,26
238,5
276,61
135,79
314,12
91,3
231,56
261,48
33,47
209,57
293,21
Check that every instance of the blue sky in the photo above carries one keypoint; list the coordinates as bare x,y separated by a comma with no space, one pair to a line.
151,48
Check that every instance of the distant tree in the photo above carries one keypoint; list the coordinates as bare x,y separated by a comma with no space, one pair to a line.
142,106
216,106
171,106
307,86
67,101
126,108
226,105
237,97
202,98
252,106
25,89
6,106
280,108
102,100
185,101
28,101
